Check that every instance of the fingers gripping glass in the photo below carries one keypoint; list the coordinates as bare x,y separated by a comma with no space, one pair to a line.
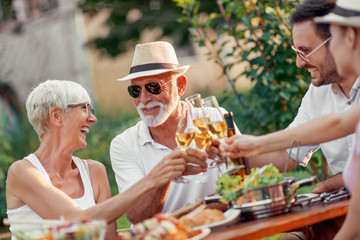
88,107
304,56
151,87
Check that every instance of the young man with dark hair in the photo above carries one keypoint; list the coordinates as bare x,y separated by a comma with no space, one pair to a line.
328,93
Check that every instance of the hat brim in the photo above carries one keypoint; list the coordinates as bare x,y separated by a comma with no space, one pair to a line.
334,18
180,70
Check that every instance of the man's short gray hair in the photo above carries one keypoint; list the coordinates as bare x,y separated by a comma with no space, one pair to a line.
52,94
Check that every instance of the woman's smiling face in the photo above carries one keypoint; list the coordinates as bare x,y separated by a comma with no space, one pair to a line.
77,125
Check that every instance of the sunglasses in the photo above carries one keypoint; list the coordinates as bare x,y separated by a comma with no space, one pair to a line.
304,56
84,106
151,87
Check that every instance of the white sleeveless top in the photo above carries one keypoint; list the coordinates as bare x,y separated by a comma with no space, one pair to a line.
25,213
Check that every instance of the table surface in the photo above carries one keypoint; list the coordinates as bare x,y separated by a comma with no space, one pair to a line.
297,218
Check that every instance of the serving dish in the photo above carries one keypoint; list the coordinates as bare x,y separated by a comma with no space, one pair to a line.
231,216
269,200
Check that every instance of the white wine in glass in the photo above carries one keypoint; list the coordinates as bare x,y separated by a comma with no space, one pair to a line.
202,136
216,121
216,124
184,139
185,133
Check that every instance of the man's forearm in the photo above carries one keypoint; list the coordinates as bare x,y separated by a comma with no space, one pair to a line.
153,203
330,184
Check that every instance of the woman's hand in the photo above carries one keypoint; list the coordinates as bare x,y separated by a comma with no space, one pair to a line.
241,146
195,161
170,167
214,152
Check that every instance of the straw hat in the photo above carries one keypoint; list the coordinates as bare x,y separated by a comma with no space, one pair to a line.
345,12
152,59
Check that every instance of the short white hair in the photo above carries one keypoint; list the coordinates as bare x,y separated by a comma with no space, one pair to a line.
52,94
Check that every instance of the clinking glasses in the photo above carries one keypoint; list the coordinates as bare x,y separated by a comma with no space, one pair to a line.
304,56
151,87
88,107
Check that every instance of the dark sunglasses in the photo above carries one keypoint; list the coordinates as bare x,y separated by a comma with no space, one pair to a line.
151,87
86,106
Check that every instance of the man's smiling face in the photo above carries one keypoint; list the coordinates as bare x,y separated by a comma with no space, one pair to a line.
321,64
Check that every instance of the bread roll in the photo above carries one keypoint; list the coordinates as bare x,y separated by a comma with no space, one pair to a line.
188,208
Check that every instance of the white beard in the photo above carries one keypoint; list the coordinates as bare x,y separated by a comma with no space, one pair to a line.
161,117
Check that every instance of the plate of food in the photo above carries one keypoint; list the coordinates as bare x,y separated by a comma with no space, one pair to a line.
211,216
162,227
89,230
230,216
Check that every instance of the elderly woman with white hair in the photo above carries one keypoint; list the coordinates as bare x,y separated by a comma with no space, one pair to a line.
51,182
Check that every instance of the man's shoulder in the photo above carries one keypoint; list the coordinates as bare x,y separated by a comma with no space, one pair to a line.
318,95
319,91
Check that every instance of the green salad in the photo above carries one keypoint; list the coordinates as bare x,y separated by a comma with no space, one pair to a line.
231,187
263,176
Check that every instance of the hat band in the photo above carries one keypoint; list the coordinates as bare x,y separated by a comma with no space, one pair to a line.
153,66
345,12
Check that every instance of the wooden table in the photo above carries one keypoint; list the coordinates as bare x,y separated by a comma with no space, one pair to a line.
299,217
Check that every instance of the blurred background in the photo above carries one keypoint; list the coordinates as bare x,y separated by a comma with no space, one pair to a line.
238,50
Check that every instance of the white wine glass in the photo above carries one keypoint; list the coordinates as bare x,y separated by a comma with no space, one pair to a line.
185,133
216,121
217,125
202,136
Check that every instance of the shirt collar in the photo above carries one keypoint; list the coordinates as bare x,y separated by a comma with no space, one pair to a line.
353,92
355,89
146,138
144,134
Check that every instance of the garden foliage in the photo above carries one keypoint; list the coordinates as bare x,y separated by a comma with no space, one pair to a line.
251,39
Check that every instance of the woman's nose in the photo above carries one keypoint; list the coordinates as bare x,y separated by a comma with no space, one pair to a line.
92,118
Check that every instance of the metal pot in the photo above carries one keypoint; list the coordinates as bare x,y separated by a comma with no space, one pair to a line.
270,200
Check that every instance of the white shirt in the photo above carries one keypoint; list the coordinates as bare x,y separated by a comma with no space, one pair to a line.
134,154
320,101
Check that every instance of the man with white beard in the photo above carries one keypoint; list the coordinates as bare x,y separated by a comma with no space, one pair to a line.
157,83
